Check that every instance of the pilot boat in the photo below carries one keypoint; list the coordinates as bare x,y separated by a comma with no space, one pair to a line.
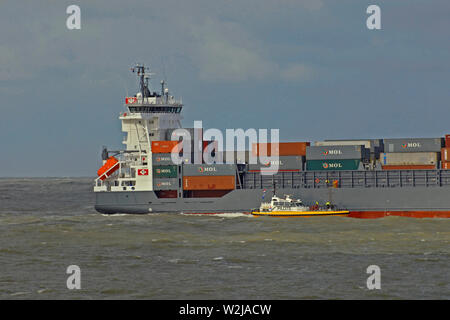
288,207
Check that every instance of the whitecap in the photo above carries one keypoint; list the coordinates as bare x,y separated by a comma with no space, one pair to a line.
233,215
20,293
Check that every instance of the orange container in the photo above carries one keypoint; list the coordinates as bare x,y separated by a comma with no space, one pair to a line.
447,140
208,183
445,154
446,165
166,146
282,149
110,166
410,167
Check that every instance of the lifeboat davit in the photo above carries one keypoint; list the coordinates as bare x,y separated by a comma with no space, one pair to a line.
110,166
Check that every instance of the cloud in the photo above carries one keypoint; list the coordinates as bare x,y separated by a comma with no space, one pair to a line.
224,61
225,51
297,72
226,46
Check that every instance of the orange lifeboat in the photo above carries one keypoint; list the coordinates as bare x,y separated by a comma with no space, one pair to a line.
110,166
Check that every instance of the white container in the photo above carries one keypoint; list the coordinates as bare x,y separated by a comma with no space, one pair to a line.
410,158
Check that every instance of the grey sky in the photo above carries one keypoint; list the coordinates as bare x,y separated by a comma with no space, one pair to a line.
310,68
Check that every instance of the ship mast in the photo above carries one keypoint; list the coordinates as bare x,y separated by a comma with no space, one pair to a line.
143,79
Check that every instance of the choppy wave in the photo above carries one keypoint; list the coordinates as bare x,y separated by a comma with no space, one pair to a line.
49,224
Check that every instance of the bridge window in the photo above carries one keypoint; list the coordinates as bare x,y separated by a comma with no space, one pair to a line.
148,109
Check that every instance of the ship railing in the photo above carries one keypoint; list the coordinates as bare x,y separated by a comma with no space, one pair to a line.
349,179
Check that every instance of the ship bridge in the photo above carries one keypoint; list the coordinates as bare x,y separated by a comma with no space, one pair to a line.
146,101
149,114
154,104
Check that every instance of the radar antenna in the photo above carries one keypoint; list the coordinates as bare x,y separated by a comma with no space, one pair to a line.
144,77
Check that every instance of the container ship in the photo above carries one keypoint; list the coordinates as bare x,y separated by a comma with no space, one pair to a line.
371,178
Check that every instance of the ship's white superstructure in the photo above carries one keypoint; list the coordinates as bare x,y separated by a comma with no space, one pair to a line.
147,117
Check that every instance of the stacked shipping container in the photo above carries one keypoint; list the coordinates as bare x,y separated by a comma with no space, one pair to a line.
338,152
447,140
325,165
368,144
281,157
398,154
209,183
165,173
166,193
196,177
280,149
445,153
429,159
209,169
166,184
336,156
168,171
413,145
375,146
166,146
209,177
411,153
215,180
166,159
279,164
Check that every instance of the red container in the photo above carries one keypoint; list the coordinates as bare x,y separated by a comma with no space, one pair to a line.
445,154
208,182
166,146
167,193
447,140
282,149
214,145
409,167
